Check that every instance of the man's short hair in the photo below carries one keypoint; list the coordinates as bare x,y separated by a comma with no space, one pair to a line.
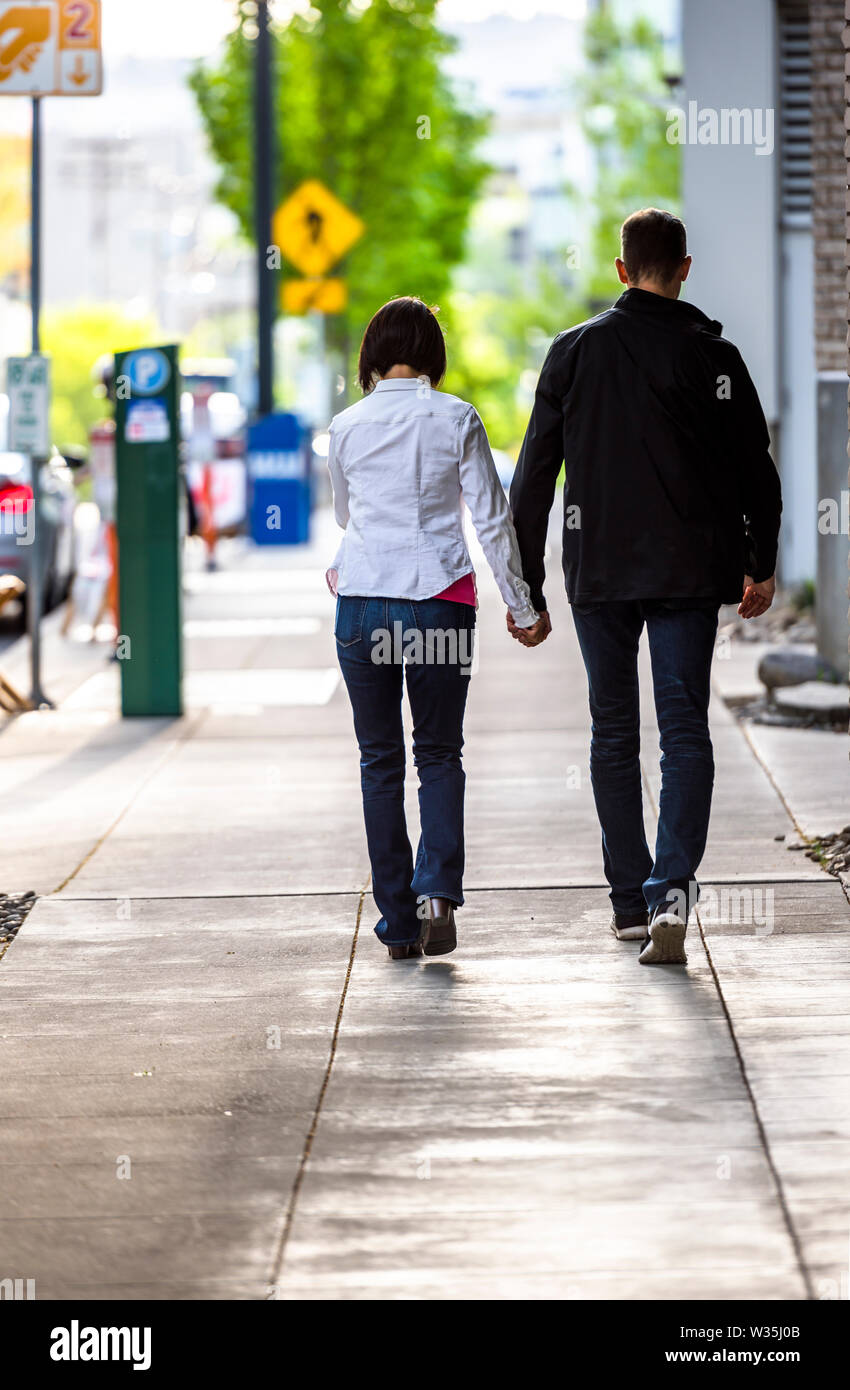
654,244
403,332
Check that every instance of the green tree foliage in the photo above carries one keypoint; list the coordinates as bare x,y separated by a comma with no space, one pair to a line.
76,338
624,99
363,105
496,343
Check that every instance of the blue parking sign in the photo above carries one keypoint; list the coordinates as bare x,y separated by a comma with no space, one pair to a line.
147,370
279,480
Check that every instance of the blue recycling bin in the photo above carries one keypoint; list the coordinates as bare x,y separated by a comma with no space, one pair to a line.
279,480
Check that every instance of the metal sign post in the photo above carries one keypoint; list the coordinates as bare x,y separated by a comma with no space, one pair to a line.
263,183
37,458
47,48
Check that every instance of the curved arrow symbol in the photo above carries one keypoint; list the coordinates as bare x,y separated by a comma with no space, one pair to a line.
23,32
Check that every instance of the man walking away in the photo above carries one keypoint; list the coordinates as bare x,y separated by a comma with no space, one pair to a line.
671,507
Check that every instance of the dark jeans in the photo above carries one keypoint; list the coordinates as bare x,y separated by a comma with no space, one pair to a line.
380,642
681,643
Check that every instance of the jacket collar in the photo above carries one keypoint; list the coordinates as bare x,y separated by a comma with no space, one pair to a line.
677,310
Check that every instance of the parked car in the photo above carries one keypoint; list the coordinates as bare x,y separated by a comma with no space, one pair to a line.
58,501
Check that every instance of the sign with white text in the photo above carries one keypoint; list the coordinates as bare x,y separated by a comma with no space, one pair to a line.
28,389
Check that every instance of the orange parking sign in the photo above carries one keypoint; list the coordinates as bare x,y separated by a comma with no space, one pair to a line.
50,48
80,64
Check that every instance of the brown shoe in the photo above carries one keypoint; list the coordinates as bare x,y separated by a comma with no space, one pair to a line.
406,951
440,935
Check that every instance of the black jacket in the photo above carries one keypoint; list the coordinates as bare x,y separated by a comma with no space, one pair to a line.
670,490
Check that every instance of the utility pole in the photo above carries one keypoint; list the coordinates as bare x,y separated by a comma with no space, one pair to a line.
263,186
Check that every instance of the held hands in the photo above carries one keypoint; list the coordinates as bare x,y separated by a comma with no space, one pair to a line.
530,636
332,579
757,597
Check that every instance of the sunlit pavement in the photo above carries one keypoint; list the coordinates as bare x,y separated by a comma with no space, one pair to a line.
215,1085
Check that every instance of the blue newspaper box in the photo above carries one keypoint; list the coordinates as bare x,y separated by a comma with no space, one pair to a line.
279,480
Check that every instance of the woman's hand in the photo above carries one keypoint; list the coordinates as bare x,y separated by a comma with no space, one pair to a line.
332,579
530,636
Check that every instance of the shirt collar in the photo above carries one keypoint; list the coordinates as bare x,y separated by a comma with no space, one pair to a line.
400,383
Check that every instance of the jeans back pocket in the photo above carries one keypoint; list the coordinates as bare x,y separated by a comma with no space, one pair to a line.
348,626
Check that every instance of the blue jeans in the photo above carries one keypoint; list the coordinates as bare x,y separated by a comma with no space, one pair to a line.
380,642
681,644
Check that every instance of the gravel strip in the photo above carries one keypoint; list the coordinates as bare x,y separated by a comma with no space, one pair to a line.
14,908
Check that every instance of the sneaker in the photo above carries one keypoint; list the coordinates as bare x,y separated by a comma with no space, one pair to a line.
665,944
630,926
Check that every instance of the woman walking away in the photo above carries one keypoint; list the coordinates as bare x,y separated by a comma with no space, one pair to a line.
400,460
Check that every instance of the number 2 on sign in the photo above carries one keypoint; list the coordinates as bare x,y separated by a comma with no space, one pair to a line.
78,18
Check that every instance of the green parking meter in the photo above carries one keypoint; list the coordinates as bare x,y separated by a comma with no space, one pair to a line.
147,515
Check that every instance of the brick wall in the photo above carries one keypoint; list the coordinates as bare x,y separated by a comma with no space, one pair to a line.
829,169
846,37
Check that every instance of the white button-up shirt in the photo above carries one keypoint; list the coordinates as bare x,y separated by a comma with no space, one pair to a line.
400,461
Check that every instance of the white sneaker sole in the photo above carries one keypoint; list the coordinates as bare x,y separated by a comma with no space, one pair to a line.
629,933
666,945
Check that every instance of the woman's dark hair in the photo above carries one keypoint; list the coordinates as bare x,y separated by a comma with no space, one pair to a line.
405,332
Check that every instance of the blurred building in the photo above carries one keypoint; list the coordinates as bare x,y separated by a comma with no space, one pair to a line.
846,184
829,168
766,230
130,216
520,71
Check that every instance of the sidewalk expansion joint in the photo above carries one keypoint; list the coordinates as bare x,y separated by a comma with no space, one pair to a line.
719,880
280,1251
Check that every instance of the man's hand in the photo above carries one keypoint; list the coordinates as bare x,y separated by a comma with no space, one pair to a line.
530,636
757,597
332,579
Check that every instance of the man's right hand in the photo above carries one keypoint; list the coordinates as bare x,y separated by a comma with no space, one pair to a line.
530,636
757,597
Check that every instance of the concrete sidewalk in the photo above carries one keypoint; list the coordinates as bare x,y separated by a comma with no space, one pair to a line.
213,1084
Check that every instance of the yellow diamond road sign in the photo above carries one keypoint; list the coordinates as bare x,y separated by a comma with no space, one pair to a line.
50,48
313,228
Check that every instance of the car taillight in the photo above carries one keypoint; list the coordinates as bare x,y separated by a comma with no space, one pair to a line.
15,497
